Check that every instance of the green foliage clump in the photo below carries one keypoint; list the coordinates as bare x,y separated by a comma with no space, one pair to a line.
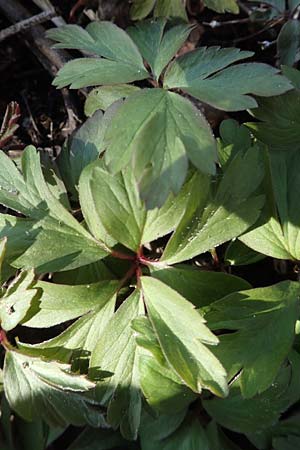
144,349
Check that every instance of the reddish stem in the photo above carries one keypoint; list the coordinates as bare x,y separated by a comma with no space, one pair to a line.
120,255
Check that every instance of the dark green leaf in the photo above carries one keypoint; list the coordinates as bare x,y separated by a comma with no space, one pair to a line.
288,42
157,45
200,74
200,287
264,317
262,411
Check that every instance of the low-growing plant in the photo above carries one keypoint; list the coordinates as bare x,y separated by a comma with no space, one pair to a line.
102,249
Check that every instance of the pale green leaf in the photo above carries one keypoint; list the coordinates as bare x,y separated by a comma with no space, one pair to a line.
85,72
112,202
157,132
264,317
17,299
37,389
79,339
59,303
117,352
211,220
182,334
121,61
200,74
103,97
58,241
279,236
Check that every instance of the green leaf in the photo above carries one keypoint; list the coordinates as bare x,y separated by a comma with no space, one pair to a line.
238,254
79,339
162,388
103,97
157,132
288,42
141,9
234,138
86,145
85,72
120,60
292,74
278,237
58,241
182,334
17,300
189,435
286,443
59,303
198,286
170,8
3,243
37,389
211,220
156,44
254,316
97,439
262,411
200,74
223,6
278,121
116,352
112,203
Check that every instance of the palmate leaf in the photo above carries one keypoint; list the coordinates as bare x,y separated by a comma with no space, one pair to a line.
212,219
262,411
157,132
163,389
279,116
183,347
97,439
204,74
57,241
59,303
16,301
255,316
37,389
279,236
112,207
157,44
120,60
117,352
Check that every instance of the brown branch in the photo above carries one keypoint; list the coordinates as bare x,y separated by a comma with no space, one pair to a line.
25,24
